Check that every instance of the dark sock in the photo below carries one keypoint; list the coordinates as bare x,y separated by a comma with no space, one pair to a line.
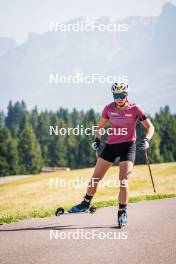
88,198
122,206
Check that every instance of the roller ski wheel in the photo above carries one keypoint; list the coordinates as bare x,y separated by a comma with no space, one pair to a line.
92,209
59,211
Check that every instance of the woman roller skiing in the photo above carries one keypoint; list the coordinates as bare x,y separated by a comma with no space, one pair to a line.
122,115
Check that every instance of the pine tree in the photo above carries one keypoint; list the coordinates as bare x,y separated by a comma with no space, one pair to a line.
29,151
33,118
166,126
14,116
8,154
42,133
154,151
2,119
57,148
85,155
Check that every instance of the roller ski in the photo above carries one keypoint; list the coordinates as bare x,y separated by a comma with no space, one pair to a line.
122,218
83,207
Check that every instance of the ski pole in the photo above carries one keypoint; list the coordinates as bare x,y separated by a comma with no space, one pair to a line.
148,163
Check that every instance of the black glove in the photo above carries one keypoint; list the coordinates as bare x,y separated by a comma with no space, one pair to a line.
96,144
144,144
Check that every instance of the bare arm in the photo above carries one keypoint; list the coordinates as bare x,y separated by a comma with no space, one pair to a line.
101,124
149,127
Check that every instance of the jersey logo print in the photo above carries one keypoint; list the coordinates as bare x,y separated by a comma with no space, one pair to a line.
129,115
114,114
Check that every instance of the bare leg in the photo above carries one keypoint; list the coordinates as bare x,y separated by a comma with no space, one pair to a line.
100,169
125,168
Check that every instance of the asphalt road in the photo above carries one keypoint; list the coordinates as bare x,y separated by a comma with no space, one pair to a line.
149,238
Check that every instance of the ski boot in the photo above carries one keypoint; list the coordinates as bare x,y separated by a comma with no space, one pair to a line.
122,218
82,207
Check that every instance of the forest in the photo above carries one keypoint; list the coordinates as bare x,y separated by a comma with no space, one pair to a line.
26,145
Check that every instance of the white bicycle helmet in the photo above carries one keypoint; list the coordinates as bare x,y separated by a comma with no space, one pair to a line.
120,87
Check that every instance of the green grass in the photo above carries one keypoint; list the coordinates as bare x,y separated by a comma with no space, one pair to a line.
33,197
42,212
135,199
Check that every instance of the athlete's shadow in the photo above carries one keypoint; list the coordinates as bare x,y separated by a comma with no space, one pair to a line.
65,227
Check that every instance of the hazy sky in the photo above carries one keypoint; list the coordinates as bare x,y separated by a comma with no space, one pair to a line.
19,17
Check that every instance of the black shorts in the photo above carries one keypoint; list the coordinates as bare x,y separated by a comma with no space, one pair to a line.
125,150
